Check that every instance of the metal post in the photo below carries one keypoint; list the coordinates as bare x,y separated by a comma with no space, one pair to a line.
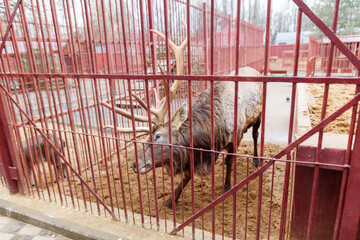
229,43
351,214
205,40
153,45
7,153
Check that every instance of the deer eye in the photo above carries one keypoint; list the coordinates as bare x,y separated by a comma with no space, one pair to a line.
157,136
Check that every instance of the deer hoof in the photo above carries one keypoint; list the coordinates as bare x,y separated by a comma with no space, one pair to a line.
226,188
168,203
256,162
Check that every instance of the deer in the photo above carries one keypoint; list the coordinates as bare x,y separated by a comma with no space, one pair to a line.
249,115
40,147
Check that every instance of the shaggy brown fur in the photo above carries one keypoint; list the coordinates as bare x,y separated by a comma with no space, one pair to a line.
249,115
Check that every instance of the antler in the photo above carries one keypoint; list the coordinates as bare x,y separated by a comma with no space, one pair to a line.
159,113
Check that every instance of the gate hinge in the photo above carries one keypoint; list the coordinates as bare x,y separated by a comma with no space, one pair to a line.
14,173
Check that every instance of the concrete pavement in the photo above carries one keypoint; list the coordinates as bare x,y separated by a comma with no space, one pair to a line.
277,114
11,229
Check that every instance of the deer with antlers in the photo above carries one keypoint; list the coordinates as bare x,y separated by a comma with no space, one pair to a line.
249,115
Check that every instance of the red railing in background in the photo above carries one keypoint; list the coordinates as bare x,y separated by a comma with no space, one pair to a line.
341,63
314,56
77,56
282,57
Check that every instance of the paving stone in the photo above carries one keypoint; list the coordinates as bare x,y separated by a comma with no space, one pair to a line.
42,238
53,235
5,220
22,237
12,227
6,236
43,233
28,237
2,225
30,230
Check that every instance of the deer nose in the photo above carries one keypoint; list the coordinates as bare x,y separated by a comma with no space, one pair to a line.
134,168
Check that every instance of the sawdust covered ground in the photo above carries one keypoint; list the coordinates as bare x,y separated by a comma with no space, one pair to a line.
339,95
202,192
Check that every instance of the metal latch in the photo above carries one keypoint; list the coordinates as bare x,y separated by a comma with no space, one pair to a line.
14,173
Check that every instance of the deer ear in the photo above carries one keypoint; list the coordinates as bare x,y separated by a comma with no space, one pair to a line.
180,116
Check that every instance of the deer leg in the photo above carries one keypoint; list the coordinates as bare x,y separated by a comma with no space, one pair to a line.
255,133
178,190
32,178
228,162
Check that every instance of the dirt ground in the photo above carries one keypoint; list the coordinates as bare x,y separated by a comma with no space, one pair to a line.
339,95
247,197
223,212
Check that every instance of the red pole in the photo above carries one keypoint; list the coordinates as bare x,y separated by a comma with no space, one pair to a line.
7,153
205,40
320,138
153,43
229,43
351,214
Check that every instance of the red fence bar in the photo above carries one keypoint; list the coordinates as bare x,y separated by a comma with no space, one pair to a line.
345,172
320,139
235,108
199,78
351,212
263,114
192,170
10,22
148,106
9,168
212,42
291,126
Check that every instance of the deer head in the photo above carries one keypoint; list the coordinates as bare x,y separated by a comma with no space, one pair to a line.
158,119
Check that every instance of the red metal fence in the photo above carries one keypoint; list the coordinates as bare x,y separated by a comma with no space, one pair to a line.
62,62
314,56
282,57
340,62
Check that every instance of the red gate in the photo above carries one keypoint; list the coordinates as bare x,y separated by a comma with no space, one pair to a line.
61,63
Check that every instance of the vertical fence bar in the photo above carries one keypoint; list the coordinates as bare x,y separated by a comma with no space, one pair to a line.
212,115
266,61
345,171
190,116
89,156
7,153
93,68
235,133
18,63
320,139
153,51
351,212
40,104
169,111
62,66
153,45
112,89
229,42
28,107
205,39
132,109
291,127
